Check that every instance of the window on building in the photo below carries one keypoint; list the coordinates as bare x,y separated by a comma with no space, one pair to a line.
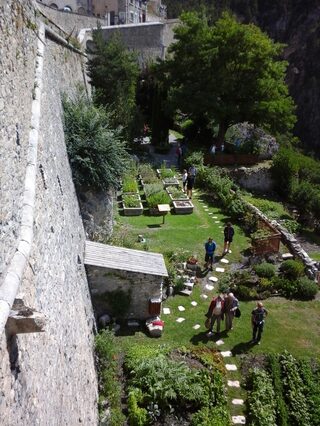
112,17
131,17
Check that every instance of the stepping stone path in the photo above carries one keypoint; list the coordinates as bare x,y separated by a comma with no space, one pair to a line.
213,279
226,354
209,287
203,296
180,319
219,342
181,308
237,401
196,326
233,383
220,269
166,311
224,261
231,367
193,303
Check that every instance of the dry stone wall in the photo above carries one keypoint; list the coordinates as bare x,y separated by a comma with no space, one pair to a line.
46,378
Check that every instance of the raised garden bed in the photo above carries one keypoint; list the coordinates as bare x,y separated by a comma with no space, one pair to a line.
165,173
266,240
172,181
132,205
183,207
176,194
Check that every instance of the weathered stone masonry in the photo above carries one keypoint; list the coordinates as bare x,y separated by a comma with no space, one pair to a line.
45,378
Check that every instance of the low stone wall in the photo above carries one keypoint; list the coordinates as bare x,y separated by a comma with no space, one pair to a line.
256,179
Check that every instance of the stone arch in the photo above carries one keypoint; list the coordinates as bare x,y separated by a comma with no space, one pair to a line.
67,8
53,5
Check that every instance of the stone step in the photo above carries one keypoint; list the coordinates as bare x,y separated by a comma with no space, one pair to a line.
233,383
226,354
238,420
236,401
231,367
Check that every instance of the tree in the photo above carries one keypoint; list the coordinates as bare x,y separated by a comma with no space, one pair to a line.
229,73
114,71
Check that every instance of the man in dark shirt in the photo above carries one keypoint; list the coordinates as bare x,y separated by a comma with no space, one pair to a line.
228,237
257,320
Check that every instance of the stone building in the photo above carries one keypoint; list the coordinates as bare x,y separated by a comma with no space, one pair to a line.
124,282
84,7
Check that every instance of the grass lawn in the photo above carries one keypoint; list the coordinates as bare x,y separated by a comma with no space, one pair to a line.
291,325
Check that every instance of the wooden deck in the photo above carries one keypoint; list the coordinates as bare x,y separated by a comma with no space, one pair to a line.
106,256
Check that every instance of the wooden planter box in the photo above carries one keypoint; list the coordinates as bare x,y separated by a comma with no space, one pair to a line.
133,211
173,182
183,207
269,243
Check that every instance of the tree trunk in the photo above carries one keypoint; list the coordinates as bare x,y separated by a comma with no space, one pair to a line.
223,127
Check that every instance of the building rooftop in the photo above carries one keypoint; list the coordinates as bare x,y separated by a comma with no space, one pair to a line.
106,256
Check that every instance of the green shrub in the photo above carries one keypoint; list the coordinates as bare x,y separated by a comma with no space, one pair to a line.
306,289
129,184
148,175
137,416
152,188
195,159
160,197
265,284
97,155
246,293
281,408
285,167
285,286
131,200
265,270
165,172
292,269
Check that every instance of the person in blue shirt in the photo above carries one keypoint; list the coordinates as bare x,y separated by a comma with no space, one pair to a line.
210,247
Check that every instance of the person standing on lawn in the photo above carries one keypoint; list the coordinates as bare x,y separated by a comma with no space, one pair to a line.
184,179
231,303
228,237
215,312
190,185
210,247
257,320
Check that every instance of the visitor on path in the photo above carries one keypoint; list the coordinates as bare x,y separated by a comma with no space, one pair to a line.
228,237
184,180
193,171
179,154
190,185
257,320
231,303
210,247
215,313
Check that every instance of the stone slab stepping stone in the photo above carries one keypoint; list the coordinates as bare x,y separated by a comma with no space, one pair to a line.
203,296
181,308
213,279
210,213
224,261
206,210
238,420
220,269
196,326
217,221
205,206
233,383
220,342
231,367
237,401
180,319
226,353
287,256
219,226
166,311
214,217
194,303
209,287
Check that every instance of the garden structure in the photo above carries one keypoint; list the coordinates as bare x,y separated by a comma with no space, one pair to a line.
266,239
124,283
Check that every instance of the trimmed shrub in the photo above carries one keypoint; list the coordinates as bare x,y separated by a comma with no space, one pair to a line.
152,188
286,287
129,184
265,270
292,269
160,197
306,289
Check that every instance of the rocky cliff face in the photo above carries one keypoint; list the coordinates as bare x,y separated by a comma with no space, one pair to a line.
297,24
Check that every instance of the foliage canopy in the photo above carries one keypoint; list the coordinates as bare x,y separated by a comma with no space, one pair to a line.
228,73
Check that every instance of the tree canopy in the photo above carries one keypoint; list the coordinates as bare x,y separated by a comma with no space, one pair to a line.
228,73
114,71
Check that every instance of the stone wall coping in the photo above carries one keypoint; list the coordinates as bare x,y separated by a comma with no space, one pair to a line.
12,280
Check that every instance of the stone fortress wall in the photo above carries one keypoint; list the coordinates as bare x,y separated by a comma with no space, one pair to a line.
46,378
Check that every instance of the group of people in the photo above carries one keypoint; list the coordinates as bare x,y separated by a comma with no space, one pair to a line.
210,245
226,307
188,179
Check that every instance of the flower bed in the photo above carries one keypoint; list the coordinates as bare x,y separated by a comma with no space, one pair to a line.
183,207
132,205
176,194
170,181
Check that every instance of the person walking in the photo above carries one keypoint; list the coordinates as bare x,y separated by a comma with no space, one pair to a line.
190,185
257,320
228,237
231,303
215,313
210,247
193,171
184,179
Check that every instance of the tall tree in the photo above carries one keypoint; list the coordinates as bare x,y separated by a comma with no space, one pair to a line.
114,71
229,72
